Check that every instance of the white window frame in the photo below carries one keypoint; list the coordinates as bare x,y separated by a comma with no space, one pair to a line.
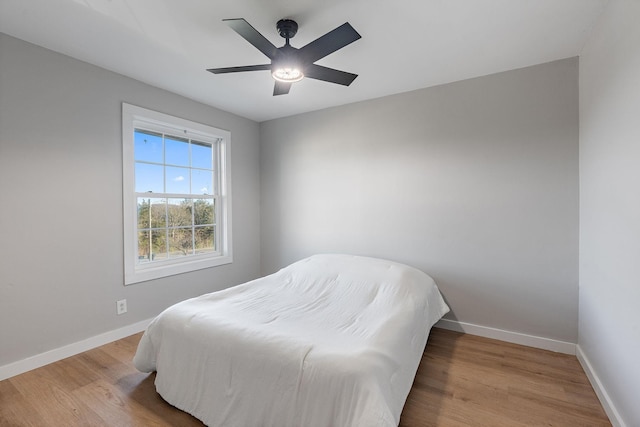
136,117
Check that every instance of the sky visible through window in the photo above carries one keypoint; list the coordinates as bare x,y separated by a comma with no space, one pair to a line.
187,165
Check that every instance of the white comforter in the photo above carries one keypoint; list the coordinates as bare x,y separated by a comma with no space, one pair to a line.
332,340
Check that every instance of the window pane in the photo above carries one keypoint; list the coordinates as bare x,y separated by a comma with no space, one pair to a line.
144,245
179,213
158,213
159,248
204,240
147,146
154,217
180,242
201,155
203,212
149,178
177,180
152,245
202,182
177,151
144,213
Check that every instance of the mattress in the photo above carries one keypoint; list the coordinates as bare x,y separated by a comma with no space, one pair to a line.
331,340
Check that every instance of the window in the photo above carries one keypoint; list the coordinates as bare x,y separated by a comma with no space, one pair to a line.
177,201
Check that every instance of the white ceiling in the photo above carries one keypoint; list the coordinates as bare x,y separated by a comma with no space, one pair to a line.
405,45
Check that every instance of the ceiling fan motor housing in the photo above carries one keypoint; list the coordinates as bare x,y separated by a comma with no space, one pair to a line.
287,28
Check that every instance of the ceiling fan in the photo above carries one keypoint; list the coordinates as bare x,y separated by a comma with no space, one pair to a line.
289,64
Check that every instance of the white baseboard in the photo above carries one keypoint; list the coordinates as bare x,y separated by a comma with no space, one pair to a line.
33,362
601,392
508,336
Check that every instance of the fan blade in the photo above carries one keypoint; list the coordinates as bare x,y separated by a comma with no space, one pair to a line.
331,75
329,43
239,69
281,88
252,35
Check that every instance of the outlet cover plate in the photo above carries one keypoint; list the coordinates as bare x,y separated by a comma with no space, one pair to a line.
121,306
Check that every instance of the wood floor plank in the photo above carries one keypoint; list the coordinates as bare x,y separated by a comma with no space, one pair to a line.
51,399
101,361
465,380
115,407
141,389
15,409
462,381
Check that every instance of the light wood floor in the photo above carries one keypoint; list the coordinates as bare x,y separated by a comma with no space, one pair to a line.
463,380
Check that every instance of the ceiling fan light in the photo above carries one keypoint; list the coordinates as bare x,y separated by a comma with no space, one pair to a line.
288,74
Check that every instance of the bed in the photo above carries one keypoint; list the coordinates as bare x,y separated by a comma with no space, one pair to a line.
329,341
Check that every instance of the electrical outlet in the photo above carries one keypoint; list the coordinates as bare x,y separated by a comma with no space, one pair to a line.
121,306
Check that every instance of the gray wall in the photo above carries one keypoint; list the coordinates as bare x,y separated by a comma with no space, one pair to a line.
61,254
474,182
610,206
